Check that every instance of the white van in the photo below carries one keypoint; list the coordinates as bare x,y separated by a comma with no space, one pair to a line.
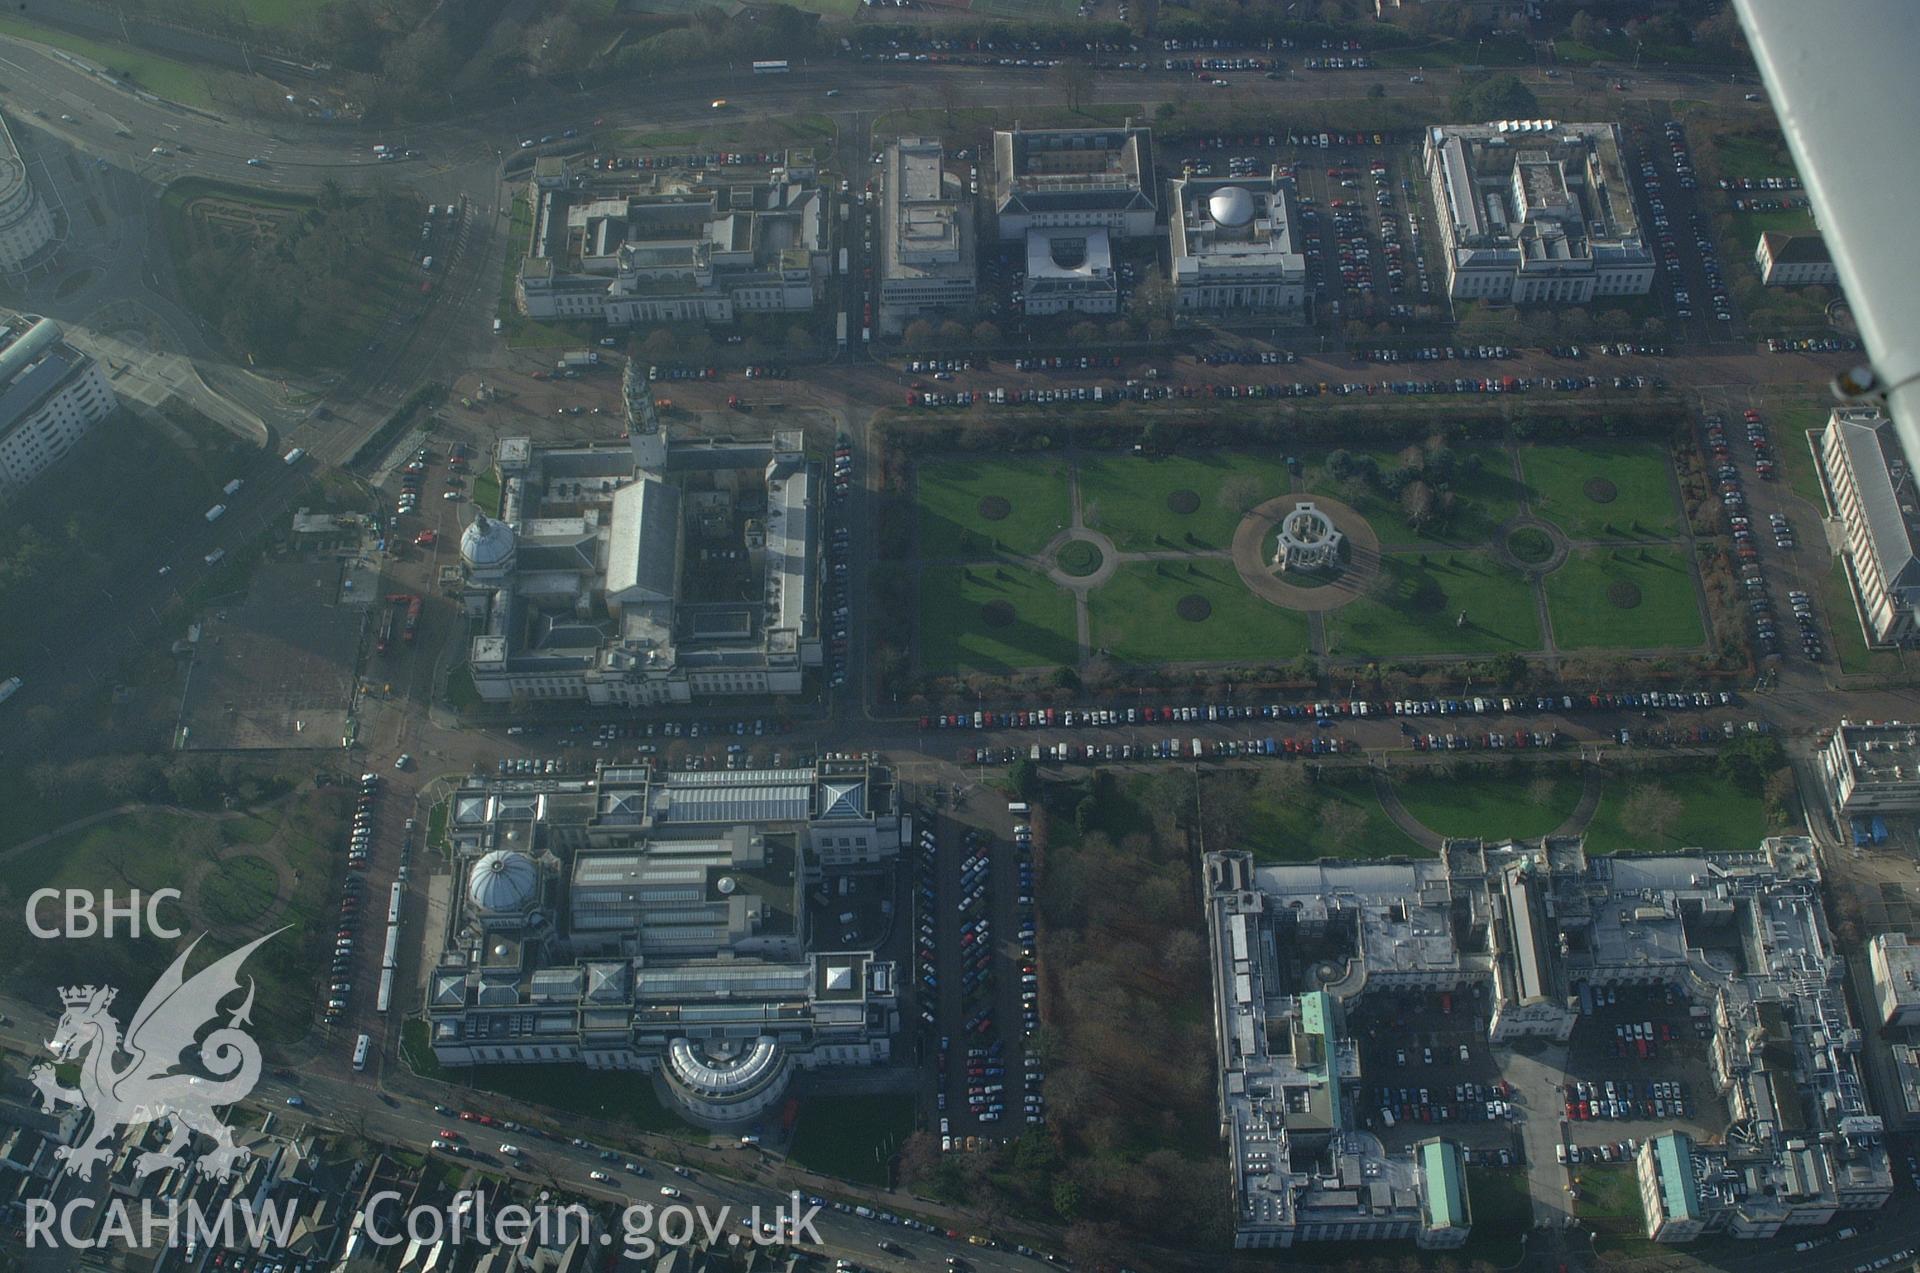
496,327
360,1047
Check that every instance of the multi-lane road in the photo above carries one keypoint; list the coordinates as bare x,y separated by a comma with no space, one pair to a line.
729,1182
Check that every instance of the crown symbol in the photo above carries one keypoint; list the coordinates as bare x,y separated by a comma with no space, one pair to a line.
81,996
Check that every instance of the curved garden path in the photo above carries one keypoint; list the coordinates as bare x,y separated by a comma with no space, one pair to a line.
1593,785
1422,834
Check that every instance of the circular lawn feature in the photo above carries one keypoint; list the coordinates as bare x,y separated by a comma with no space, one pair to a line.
995,508
1194,608
1079,558
998,614
1530,544
1183,502
1623,594
1600,490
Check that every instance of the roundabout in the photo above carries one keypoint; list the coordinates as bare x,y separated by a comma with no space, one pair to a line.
1079,558
1531,546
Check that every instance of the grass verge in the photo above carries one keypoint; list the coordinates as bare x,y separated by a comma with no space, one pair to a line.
851,1137
1319,821
1708,811
1490,806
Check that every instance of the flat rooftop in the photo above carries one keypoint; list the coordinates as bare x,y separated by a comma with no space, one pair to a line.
1885,753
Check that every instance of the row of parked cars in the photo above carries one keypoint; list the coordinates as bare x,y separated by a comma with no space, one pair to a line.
839,545
1466,1103
926,945
1134,391
1600,1099
1436,353
359,845
1811,344
1330,709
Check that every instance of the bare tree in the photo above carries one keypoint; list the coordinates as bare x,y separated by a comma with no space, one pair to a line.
1239,492
1282,784
1650,812
1341,824
1074,78
1417,502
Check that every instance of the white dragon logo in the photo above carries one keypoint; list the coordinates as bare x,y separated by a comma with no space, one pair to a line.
150,1086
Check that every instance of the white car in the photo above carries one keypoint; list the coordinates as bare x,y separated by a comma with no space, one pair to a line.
402,760
600,1176
511,1151
668,1191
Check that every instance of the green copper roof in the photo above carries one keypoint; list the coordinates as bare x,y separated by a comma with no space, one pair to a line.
1673,1153
1446,1186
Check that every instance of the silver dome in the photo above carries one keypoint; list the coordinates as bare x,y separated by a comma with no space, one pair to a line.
487,543
502,882
1231,206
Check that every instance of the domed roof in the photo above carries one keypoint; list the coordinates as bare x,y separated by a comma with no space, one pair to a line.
1231,206
487,543
502,881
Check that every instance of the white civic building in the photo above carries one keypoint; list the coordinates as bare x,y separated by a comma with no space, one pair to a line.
51,395
643,572
1535,211
1874,494
635,920
1234,245
26,223
668,247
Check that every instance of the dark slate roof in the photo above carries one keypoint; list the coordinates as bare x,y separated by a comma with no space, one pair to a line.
1797,249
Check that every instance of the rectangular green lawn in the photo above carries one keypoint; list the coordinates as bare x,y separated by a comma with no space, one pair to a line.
1484,489
1289,831
1134,616
1126,497
1420,614
1753,155
1714,814
1584,616
1745,228
1642,489
955,635
1487,806
951,492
